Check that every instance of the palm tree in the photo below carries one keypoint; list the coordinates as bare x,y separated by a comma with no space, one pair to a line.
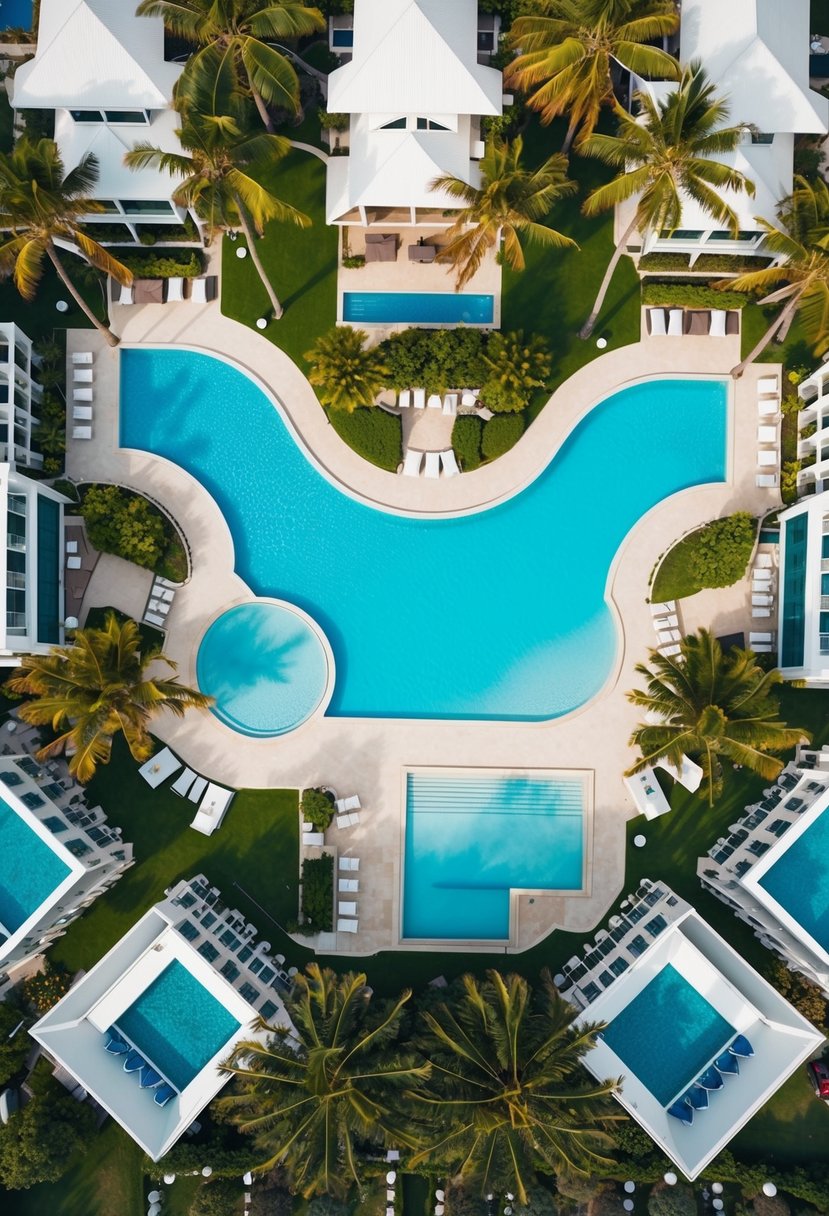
508,1093
344,372
223,166
43,207
244,29
667,153
96,687
566,58
802,237
308,1108
510,202
711,706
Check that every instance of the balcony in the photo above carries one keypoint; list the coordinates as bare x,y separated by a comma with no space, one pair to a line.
16,543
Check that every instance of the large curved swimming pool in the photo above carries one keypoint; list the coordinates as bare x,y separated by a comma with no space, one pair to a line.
495,615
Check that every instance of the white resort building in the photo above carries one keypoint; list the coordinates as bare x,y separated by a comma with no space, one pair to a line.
773,867
757,54
20,396
146,1030
416,93
803,623
699,1039
32,520
58,856
102,70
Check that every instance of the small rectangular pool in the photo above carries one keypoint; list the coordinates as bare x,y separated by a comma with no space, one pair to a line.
177,1025
667,1035
471,839
29,870
417,307
16,14
799,880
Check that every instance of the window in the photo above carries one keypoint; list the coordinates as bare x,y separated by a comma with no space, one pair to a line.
682,234
128,116
107,206
428,124
147,206
725,235
87,115
209,952
762,137
397,124
268,1010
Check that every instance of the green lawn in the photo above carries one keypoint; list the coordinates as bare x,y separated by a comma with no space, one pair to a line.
38,317
106,1181
675,577
302,264
795,351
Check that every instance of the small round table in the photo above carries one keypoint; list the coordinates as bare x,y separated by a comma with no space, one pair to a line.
601,343
640,841
716,1187
630,1187
628,1205
670,1178
241,252
262,323
61,306
769,1189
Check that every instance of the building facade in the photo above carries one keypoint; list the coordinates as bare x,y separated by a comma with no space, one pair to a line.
803,621
20,397
32,521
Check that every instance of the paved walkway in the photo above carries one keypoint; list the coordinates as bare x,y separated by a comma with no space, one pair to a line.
369,756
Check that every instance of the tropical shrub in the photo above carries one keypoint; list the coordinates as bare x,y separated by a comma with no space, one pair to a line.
435,359
219,1197
327,1205
806,997
318,893
372,433
333,122
691,295
729,261
317,807
13,1051
343,371
515,366
465,1201
125,524
187,1157
40,1141
467,436
664,261
268,1199
171,264
667,1200
354,261
788,480
722,550
540,1202
500,434
44,989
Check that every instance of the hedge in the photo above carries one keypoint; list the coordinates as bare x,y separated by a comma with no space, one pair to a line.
173,263
664,261
500,434
372,433
127,524
692,295
717,262
467,436
318,893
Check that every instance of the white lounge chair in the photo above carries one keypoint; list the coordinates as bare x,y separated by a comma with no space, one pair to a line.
73,562
419,398
666,622
81,432
213,809
766,459
760,637
760,612
762,648
82,356
432,469
768,408
82,413
199,786
350,863
762,601
346,907
126,294
670,651
198,290
412,462
71,546
159,767
450,404
182,783
175,290
313,839
768,384
761,574
765,481
81,394
343,805
152,619
434,402
763,559
82,375
348,821
468,399
348,886
656,319
766,433
668,635
405,399
675,322
666,607
717,327
347,926
450,464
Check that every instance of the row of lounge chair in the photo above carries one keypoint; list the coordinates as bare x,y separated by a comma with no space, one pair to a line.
165,291
83,378
159,602
416,398
666,623
213,799
433,463
135,1063
768,432
699,322
347,815
762,598
726,1065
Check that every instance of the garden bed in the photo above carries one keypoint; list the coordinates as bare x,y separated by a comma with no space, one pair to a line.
715,555
126,524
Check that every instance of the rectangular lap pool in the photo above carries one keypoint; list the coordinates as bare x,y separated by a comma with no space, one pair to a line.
471,839
177,1025
668,1035
29,870
417,307
799,880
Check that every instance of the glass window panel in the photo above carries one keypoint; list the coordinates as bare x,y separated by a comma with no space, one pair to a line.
87,115
130,116
143,206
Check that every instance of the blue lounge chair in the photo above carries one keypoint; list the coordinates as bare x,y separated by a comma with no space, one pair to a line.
149,1077
133,1062
727,1064
697,1097
711,1079
682,1111
741,1047
116,1046
163,1094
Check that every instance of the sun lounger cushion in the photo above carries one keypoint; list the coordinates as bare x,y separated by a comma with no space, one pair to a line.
81,394
82,375
199,786
768,384
347,926
718,317
82,356
82,432
432,469
183,782
675,323
405,399
175,290
82,413
450,464
419,398
656,322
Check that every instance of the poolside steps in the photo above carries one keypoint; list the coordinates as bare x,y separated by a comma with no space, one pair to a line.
479,795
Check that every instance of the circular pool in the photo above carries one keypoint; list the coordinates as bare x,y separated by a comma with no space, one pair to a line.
267,667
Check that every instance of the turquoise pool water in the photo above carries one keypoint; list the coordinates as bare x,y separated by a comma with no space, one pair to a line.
495,615
29,870
470,839
668,1035
265,666
177,1025
418,307
799,880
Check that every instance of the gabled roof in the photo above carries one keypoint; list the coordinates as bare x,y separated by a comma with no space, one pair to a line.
109,144
415,57
96,53
757,51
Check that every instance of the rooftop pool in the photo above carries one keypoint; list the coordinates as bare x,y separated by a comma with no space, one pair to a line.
471,839
496,615
29,871
412,307
177,1025
16,14
799,879
668,1035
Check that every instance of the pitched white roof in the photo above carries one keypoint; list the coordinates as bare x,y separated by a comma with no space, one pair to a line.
415,57
96,53
758,52
108,145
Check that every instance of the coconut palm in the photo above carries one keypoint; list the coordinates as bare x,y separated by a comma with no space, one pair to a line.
802,280
510,203
566,58
43,207
223,166
308,1108
344,372
508,1093
668,152
245,29
98,686
711,706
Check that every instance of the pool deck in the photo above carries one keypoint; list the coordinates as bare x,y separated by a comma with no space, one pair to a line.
369,756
